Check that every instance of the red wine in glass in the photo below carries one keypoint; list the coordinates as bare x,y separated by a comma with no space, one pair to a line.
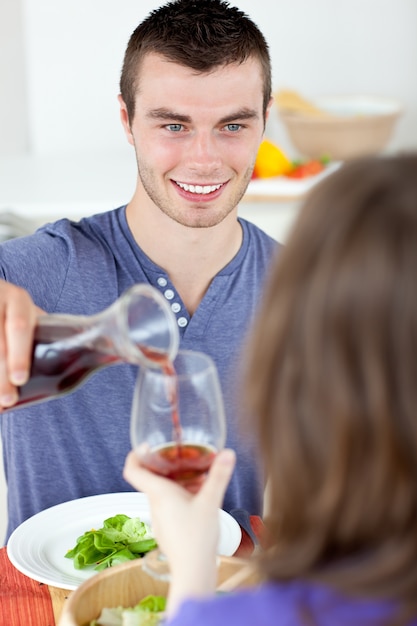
177,426
178,414
186,463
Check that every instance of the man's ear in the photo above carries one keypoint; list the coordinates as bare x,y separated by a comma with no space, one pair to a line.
124,117
268,108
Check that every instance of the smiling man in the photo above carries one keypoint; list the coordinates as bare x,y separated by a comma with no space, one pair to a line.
195,138
195,95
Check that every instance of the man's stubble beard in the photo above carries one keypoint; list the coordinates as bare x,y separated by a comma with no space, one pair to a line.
157,197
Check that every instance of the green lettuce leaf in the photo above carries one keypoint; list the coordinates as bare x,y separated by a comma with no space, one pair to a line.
121,539
148,611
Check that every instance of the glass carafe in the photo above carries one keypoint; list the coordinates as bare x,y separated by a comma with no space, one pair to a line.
138,328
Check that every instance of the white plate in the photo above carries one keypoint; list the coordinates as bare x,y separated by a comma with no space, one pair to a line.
286,187
38,546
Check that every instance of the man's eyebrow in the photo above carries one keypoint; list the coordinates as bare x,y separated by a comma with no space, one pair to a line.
168,115
241,114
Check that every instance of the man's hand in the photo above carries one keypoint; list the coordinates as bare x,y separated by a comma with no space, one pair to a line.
18,315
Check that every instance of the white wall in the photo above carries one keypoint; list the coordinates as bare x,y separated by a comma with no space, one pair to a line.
13,92
74,48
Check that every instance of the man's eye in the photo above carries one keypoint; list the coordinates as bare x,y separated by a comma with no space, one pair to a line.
233,127
175,128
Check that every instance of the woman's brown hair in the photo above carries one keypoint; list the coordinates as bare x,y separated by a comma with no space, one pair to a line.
332,380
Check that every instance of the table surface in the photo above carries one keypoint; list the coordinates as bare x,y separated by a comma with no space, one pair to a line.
29,602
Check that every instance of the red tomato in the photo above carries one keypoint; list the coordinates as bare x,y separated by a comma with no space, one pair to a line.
303,170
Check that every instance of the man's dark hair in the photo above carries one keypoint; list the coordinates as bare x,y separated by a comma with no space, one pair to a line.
200,34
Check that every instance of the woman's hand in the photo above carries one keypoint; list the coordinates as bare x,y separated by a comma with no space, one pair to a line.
185,525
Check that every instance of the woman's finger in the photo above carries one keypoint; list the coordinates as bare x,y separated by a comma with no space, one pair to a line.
215,485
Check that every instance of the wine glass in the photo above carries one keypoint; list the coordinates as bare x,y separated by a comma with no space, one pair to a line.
177,426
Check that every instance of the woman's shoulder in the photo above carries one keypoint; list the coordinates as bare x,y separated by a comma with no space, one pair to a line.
293,603
245,607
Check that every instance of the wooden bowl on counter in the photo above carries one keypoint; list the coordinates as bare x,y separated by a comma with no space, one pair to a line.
125,585
344,127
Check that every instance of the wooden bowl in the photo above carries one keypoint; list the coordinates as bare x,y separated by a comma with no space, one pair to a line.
350,127
125,585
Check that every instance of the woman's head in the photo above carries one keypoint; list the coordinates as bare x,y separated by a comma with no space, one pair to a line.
332,380
200,34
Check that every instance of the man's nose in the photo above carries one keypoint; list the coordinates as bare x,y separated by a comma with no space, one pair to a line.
204,150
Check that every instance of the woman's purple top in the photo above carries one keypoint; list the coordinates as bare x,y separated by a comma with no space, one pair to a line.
286,604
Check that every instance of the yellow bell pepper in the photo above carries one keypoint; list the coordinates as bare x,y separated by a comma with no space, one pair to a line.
271,161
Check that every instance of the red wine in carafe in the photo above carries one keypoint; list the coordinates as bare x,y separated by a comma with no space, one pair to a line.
138,328
58,368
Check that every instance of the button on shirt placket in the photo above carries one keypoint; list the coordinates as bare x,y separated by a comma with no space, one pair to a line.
169,294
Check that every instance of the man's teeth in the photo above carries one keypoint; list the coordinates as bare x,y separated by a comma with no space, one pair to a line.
202,189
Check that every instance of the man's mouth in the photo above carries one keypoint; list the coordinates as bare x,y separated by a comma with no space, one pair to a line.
202,190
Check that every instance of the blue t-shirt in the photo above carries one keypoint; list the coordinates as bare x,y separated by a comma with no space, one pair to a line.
296,603
75,446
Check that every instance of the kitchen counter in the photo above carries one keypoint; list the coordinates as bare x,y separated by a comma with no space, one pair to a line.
46,188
